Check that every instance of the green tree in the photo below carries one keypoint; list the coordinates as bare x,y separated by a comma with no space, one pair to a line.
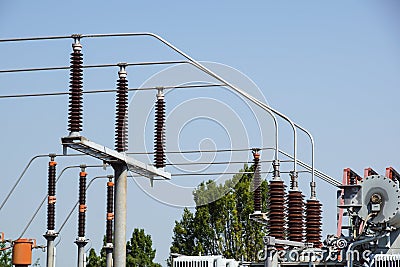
95,261
220,224
139,252
5,256
184,238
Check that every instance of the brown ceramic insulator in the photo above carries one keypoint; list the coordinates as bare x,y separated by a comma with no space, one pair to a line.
295,204
276,207
110,210
75,95
121,124
109,231
159,134
257,184
82,203
313,222
51,191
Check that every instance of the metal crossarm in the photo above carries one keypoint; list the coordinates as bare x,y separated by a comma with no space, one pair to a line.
111,156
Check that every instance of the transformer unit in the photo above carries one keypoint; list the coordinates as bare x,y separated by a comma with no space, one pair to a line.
368,227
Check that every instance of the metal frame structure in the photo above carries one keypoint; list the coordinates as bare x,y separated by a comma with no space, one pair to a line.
122,163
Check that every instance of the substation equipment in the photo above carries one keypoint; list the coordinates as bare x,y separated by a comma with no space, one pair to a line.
368,209
368,220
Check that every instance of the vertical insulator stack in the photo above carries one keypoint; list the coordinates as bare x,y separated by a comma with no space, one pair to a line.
121,124
82,203
313,222
75,95
277,209
51,191
159,131
295,205
110,211
257,180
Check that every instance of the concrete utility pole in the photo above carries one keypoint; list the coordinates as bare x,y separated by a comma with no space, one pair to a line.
121,174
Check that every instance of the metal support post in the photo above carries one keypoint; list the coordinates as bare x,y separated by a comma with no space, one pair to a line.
294,183
276,174
81,251
109,256
50,248
120,191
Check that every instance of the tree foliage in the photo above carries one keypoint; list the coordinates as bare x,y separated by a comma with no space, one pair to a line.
5,256
220,224
95,261
139,252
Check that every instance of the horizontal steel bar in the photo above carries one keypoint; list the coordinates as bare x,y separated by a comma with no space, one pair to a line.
108,155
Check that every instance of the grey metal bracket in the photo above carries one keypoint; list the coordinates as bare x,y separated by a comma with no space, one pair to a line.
111,156
272,241
259,217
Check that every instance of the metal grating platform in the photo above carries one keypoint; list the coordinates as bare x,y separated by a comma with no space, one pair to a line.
111,156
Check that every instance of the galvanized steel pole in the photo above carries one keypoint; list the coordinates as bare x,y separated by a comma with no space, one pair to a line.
50,249
109,257
121,174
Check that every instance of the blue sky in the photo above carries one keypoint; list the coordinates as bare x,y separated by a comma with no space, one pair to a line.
332,67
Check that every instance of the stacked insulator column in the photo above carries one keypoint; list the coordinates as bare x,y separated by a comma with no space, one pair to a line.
313,222
51,202
159,132
121,125
276,206
75,96
257,180
82,204
81,241
109,247
50,235
110,211
295,205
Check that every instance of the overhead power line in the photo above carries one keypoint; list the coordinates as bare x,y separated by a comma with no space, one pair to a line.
169,87
148,63
200,151
221,162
